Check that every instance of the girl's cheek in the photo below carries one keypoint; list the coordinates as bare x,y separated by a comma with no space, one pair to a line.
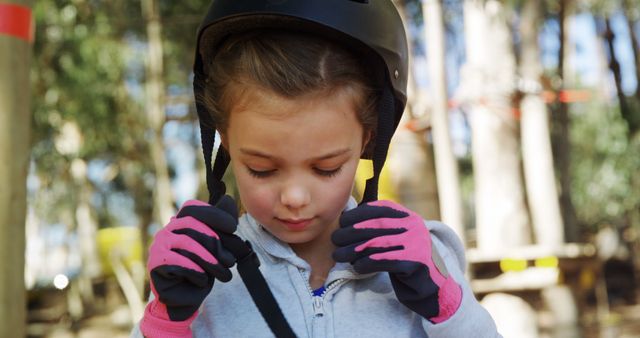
258,200
349,177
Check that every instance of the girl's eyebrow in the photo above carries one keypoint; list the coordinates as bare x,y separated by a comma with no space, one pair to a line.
257,153
332,154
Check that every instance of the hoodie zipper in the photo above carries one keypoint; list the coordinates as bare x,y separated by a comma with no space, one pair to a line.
318,327
318,307
318,301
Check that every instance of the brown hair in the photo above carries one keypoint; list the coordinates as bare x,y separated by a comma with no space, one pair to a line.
290,65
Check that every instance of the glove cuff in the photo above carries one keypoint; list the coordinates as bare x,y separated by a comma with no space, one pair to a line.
449,299
153,326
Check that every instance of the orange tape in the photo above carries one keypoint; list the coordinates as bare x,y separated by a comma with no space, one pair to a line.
15,20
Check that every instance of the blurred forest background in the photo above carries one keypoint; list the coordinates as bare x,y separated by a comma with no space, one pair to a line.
522,132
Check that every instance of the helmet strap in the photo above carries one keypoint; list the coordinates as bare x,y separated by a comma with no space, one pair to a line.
386,127
215,186
214,173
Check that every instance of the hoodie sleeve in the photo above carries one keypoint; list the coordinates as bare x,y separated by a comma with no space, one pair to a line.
135,332
471,319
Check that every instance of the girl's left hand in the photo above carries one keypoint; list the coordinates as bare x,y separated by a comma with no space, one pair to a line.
385,236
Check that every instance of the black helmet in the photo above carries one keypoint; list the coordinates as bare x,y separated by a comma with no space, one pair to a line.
371,29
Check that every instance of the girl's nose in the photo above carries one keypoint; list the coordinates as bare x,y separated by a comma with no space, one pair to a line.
295,196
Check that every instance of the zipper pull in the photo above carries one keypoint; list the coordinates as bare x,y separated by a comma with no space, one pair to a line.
318,308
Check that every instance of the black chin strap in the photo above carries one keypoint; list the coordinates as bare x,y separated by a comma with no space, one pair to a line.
247,264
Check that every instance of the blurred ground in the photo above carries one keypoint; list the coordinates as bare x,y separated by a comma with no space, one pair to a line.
57,313
622,322
98,326
108,316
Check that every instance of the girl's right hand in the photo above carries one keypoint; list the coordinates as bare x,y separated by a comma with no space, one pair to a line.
184,260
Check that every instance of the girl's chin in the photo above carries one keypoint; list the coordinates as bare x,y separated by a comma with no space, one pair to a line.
297,237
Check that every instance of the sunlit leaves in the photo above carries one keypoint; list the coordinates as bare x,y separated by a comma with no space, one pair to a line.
78,74
605,168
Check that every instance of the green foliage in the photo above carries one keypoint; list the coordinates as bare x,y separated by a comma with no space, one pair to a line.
78,76
600,7
88,71
180,21
79,65
605,165
632,9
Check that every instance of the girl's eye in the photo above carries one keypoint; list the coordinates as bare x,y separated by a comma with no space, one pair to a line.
327,173
260,173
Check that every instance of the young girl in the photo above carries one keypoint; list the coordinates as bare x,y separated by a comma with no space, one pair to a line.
299,91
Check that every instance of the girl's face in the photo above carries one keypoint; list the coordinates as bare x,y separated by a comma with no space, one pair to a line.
294,161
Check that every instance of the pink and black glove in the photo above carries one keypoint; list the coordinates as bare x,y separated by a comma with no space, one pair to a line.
384,236
186,257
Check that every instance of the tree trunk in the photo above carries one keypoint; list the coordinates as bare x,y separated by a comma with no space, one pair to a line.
627,114
446,165
562,146
631,25
501,214
536,142
162,196
15,144
87,230
410,157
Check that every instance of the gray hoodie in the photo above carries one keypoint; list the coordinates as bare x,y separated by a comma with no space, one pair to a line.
353,305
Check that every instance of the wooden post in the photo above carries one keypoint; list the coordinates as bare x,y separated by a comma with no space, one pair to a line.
15,117
502,220
560,134
537,157
446,165
154,105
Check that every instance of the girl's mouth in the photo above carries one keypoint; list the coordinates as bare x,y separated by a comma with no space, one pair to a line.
296,224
